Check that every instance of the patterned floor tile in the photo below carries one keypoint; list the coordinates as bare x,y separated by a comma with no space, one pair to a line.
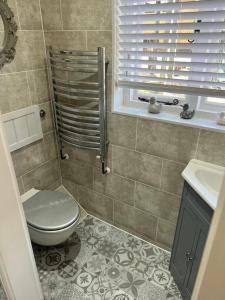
151,291
71,292
121,295
101,262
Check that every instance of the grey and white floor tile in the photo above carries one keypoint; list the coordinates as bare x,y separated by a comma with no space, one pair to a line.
101,262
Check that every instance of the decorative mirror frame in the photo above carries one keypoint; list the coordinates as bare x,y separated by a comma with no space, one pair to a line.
8,51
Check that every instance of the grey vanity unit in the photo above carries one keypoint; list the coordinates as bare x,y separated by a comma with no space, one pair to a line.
191,233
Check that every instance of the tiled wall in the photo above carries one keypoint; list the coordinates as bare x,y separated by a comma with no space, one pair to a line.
23,83
142,192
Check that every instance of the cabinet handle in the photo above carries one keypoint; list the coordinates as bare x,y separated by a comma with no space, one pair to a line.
188,256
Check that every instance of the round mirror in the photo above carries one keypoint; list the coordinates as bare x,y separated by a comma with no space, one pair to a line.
8,36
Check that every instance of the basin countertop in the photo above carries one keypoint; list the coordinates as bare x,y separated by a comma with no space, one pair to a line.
206,179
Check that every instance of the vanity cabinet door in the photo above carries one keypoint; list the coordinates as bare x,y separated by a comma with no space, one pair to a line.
189,242
184,245
196,260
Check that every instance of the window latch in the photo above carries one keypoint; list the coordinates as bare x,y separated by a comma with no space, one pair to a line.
174,102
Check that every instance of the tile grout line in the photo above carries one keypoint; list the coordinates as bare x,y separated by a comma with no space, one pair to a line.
197,144
22,71
156,230
147,154
86,39
125,203
136,134
135,189
61,16
161,177
39,166
126,178
129,233
54,129
29,89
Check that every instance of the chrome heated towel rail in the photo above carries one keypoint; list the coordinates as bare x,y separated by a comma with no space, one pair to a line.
77,82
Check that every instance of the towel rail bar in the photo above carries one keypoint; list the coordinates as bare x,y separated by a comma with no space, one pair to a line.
82,98
77,111
77,81
72,52
72,90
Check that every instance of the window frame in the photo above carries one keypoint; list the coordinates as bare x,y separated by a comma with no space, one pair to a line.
204,110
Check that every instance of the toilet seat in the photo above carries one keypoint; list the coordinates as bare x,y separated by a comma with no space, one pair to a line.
51,211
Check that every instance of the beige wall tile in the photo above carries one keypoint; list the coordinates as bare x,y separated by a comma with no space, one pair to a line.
14,92
22,89
134,219
165,233
87,15
46,122
48,147
97,39
51,14
70,40
137,166
122,130
42,177
30,157
12,5
30,52
54,186
71,187
96,203
38,84
82,155
169,141
172,180
114,186
158,203
211,147
29,14
78,172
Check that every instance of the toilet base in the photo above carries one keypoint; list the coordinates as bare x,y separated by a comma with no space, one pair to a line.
51,238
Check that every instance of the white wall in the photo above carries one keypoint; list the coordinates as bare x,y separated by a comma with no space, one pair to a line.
18,269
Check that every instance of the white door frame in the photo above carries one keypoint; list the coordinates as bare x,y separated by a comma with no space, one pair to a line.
210,282
18,270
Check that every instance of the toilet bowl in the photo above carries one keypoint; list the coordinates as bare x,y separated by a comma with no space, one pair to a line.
51,216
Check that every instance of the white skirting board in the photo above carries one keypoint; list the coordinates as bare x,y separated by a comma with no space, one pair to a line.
22,127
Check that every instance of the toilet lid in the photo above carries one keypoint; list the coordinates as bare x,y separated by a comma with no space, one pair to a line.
51,210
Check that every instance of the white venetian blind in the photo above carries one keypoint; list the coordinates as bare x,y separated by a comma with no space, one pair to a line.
171,45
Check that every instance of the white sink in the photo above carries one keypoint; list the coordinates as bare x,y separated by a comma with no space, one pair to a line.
206,179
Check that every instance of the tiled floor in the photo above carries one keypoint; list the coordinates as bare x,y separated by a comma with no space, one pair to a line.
101,262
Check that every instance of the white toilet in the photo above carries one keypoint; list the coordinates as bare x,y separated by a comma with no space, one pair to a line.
51,216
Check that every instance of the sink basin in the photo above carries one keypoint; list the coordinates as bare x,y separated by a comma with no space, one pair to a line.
206,179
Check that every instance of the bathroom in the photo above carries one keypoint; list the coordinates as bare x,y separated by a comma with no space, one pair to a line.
129,198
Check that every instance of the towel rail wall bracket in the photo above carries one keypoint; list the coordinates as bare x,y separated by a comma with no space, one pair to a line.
78,93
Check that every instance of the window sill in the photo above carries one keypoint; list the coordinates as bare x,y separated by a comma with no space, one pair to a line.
172,118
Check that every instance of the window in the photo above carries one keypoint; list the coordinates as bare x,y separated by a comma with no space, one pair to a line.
171,49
